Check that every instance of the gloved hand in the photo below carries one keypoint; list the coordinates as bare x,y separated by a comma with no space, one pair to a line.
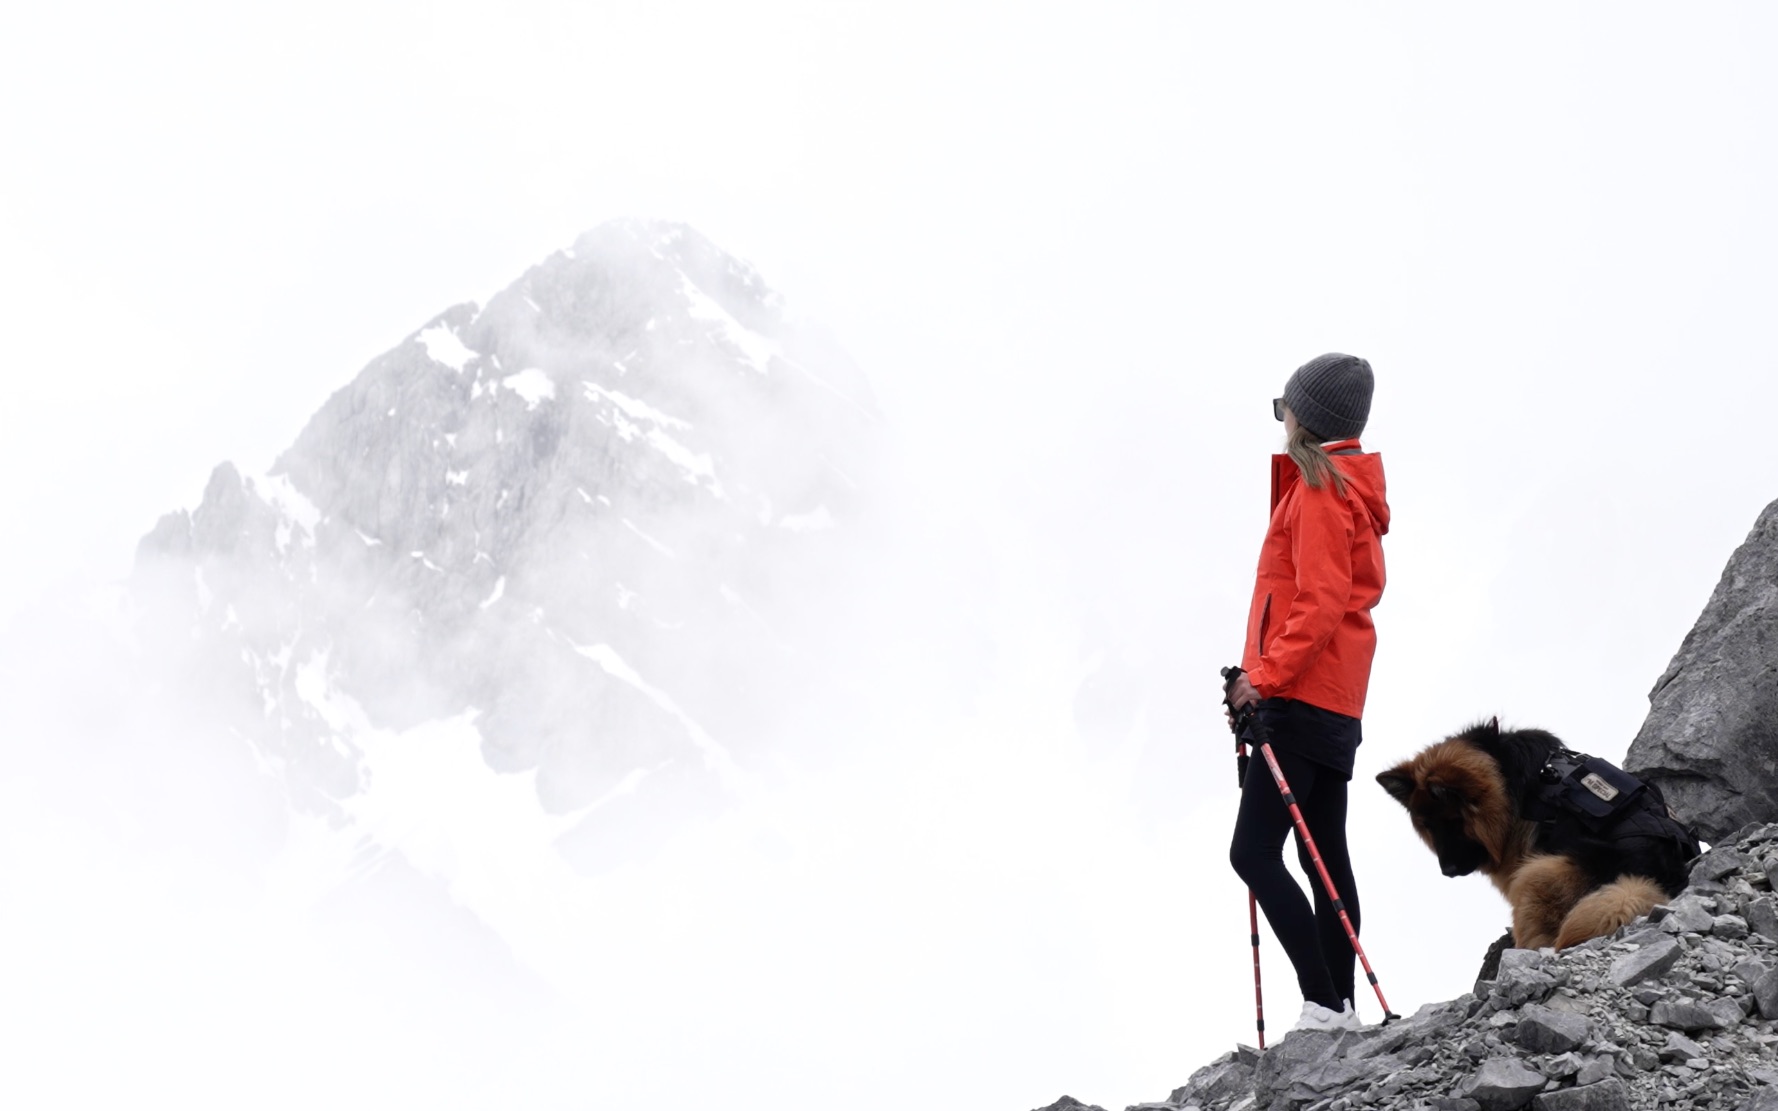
1241,693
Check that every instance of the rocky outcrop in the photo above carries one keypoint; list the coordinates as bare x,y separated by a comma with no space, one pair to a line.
1676,1011
1711,737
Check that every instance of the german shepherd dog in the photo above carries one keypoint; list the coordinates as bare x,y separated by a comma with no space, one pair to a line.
1480,802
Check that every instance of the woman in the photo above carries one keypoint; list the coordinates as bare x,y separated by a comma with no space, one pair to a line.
1306,666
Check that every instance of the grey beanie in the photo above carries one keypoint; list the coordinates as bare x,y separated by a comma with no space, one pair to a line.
1331,395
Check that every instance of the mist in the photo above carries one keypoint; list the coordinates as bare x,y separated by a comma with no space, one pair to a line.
976,854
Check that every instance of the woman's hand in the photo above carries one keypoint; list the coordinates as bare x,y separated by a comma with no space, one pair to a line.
1241,693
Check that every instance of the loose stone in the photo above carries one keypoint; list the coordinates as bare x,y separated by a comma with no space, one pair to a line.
1504,1084
1606,1095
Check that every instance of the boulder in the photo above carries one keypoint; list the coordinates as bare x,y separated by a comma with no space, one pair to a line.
1710,741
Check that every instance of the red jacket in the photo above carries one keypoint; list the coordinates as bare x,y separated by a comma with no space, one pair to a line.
1309,632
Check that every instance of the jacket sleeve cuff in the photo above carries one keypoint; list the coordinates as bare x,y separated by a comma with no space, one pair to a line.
1262,682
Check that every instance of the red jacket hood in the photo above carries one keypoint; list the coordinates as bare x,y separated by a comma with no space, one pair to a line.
1364,480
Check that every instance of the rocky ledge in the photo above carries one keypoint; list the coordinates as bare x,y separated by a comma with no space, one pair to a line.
1676,1011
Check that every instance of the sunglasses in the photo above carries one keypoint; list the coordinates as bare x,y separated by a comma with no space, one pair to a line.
1277,408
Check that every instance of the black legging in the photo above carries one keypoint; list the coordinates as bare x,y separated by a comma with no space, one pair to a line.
1313,939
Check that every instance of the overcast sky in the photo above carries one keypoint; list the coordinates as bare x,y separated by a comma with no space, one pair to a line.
1076,249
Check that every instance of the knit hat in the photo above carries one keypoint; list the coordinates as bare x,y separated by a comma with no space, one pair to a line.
1331,395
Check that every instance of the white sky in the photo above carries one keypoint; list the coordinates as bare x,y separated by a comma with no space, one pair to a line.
1077,252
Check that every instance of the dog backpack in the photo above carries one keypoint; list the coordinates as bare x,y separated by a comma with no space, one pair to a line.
1605,799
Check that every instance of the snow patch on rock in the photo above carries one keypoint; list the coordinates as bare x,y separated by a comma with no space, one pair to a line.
443,346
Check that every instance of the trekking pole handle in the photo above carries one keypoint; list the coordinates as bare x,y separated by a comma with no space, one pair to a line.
1237,722
1238,719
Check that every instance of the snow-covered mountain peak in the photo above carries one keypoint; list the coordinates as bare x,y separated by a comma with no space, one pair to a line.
585,516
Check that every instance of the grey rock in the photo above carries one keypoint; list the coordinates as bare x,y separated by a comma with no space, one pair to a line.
1543,1030
1680,1048
1328,1076
1491,961
1762,918
1521,985
1651,961
1223,1079
1729,925
1298,1052
1069,1103
1519,958
1693,913
1765,994
1641,931
1766,1099
1684,1015
1384,1040
1599,1068
1606,1095
1504,1084
1727,1011
1710,741
1561,1067
1716,864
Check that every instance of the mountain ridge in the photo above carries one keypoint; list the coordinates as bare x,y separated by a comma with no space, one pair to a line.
599,511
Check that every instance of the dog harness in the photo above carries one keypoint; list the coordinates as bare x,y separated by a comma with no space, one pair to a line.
1607,801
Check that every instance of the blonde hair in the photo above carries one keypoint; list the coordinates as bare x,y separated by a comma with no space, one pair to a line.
1304,447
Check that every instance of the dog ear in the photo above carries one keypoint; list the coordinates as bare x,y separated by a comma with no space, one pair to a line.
1398,783
1446,796
1494,726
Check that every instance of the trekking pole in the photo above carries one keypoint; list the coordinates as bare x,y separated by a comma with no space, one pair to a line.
1250,718
1259,1001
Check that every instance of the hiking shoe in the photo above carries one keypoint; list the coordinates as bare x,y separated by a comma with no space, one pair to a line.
1317,1017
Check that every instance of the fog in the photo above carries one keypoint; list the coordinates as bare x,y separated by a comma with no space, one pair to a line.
1075,255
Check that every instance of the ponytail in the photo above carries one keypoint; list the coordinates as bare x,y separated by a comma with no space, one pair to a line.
1304,448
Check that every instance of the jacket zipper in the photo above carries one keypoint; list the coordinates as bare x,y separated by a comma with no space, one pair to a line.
1265,618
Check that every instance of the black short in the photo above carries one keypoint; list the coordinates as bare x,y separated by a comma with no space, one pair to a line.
1327,738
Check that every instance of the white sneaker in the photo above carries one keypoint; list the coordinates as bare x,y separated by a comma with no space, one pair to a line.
1317,1017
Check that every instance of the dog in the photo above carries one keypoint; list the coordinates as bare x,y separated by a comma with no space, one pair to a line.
1578,847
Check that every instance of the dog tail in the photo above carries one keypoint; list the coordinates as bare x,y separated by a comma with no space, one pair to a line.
1612,906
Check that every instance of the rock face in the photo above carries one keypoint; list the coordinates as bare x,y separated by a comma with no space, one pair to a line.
1711,737
598,516
1668,1013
